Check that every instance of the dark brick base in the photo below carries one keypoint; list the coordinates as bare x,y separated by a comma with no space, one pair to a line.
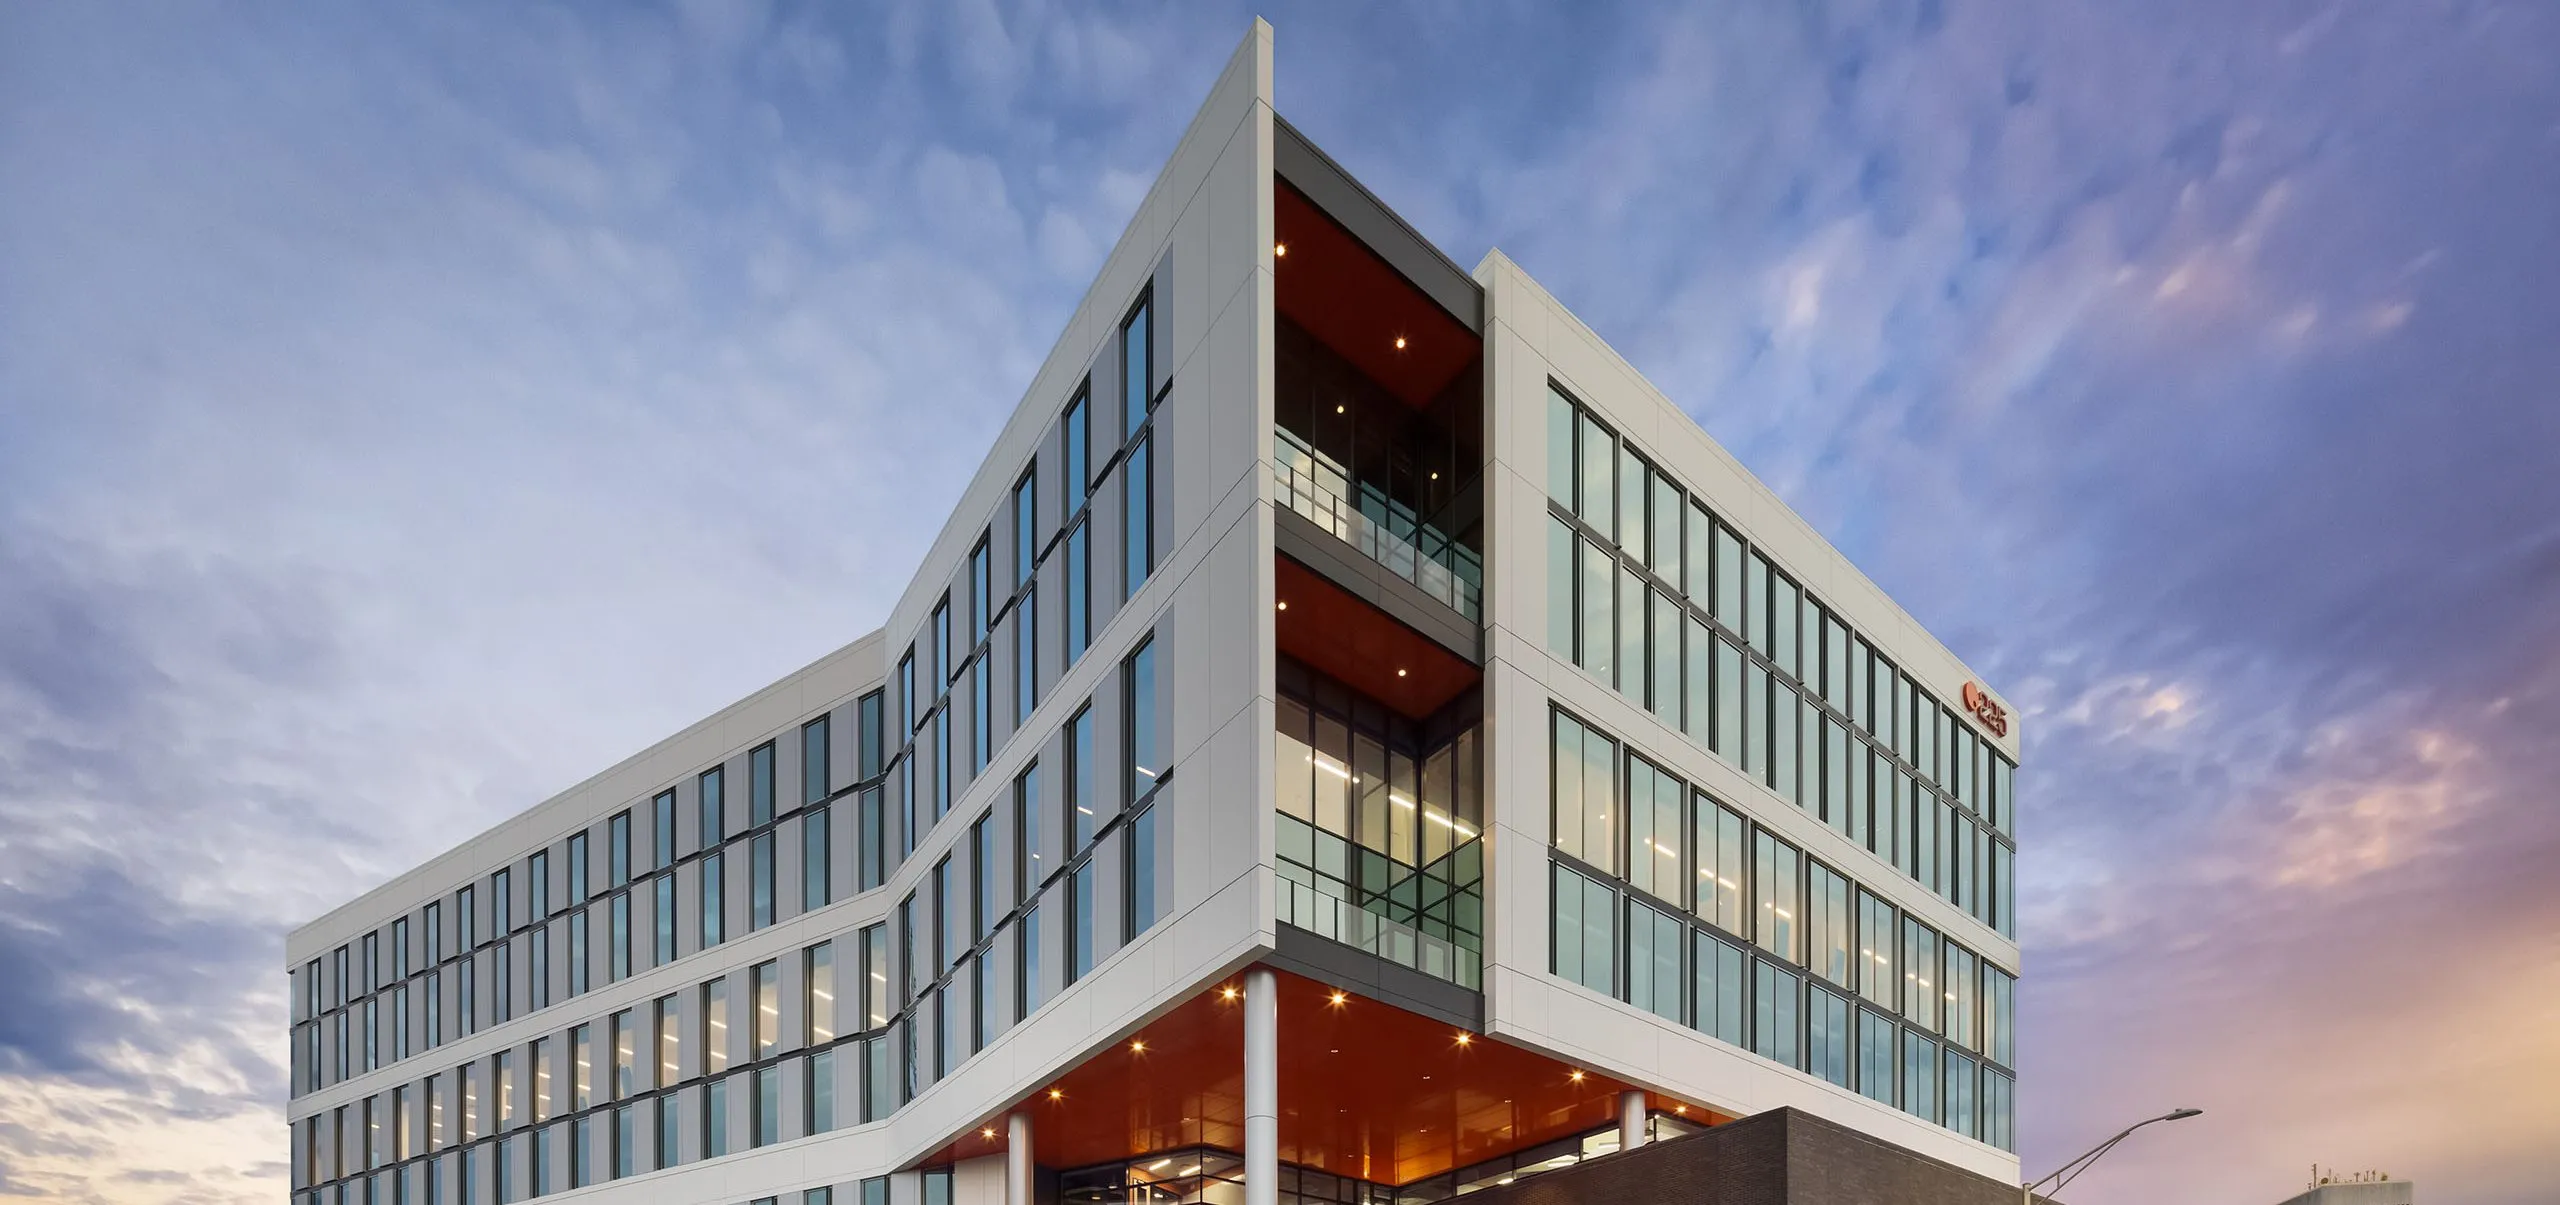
1781,1157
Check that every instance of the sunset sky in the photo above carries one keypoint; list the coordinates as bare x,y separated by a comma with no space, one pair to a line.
408,411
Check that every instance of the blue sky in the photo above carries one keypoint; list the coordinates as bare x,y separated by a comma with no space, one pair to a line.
405,412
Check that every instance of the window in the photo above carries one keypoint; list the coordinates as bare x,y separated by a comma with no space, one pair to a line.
540,1057
662,913
1560,581
579,883
1028,872
1960,976
618,940
1137,363
669,1040
1080,921
1919,1075
1079,617
878,998
1776,994
1877,984
1722,990
715,1119
873,855
1776,872
625,1140
714,828
1721,851
818,980
1655,820
662,830
1920,974
1876,1056
1999,990
1139,910
1145,757
1826,1036
1078,748
765,1024
715,1027
760,882
1138,508
712,892
1585,937
503,1076
946,667
981,713
617,854
816,776
816,867
1599,637
1026,951
1959,1096
1827,921
1596,488
767,1105
1655,942
819,1094
1585,792
578,952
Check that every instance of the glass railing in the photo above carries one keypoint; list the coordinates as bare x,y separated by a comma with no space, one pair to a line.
1429,918
1384,531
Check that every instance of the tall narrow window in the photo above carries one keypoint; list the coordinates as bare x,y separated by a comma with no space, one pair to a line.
818,974
760,785
712,892
662,830
1075,433
1139,722
1584,940
1080,921
1079,617
618,939
981,589
1776,874
879,993
662,919
1139,910
1080,801
816,776
1138,508
714,823
580,886
1827,923
617,849
1028,870
816,867
715,1026
873,857
668,1022
1720,850
1585,793
764,1026
983,909
578,960
760,882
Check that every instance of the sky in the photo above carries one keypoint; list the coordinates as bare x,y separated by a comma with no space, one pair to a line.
406,411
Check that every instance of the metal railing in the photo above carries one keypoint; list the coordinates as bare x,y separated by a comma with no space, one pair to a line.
1303,906
1319,492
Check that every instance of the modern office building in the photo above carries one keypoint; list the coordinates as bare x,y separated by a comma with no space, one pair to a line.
1355,741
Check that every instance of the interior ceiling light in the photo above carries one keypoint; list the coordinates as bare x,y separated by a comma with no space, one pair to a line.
1338,998
1399,671
988,1132
1399,343
1464,1038
1280,248
1576,1076
1057,1094
1138,1047
1227,993
1284,604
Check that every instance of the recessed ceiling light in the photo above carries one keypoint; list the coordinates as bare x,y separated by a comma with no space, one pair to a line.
1465,1038
988,1132
1576,1076
1399,672
1138,1047
1057,1094
1284,604
1229,992
1338,998
1279,248
1399,343
1337,409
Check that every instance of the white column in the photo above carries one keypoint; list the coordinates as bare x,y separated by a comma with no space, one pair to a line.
1261,1088
1630,1119
1017,1159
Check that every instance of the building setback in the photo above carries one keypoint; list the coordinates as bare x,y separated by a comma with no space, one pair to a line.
1355,740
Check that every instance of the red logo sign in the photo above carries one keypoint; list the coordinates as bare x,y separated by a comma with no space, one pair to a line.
1992,715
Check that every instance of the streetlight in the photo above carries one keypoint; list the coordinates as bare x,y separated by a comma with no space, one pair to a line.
2071,1171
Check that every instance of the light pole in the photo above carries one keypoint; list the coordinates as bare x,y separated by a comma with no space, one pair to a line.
2071,1171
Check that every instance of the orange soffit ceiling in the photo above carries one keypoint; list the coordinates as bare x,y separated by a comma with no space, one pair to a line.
1340,291
1338,633
1366,1090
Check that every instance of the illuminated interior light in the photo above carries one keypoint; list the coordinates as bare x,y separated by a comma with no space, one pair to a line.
1399,671
1326,765
1057,1094
1284,604
1279,249
1504,1180
1338,998
988,1132
1138,1047
1399,801
1337,409
1192,1170
1399,343
1465,1038
1228,993
1159,1165
1576,1076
